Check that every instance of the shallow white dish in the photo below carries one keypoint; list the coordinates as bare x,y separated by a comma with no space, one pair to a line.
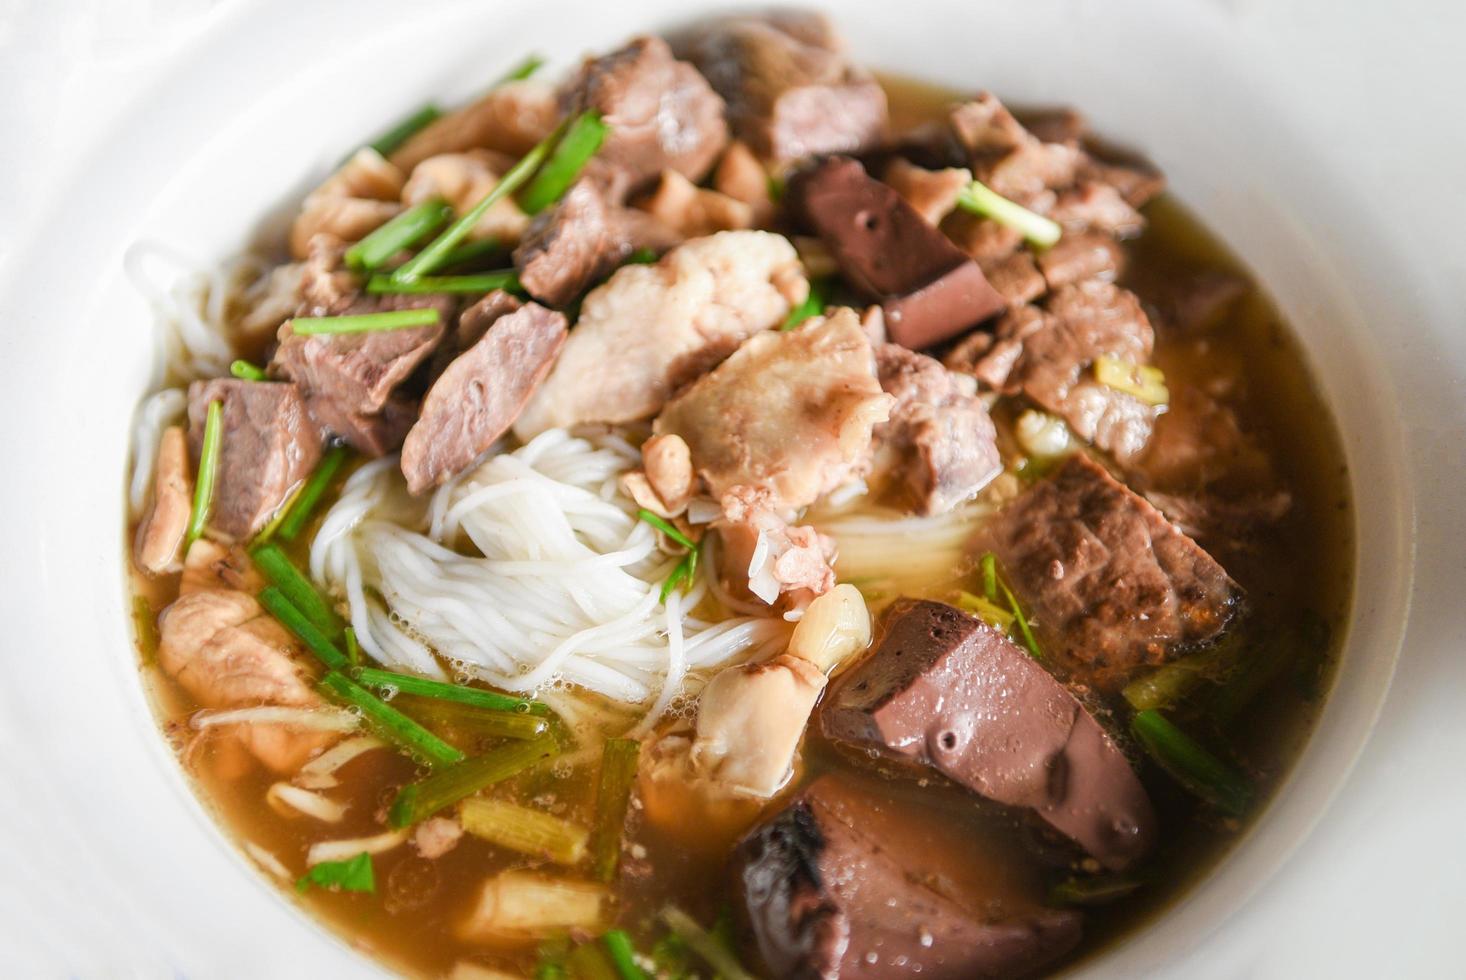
113,868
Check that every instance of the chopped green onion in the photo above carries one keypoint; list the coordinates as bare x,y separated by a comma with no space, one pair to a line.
522,829
352,875
353,648
623,955
426,687
613,796
992,585
403,231
1144,381
388,722
483,282
521,71
299,623
590,961
470,251
308,326
203,491
1091,890
813,305
685,571
1192,765
420,800
672,957
704,945
642,256
1023,629
438,250
245,371
551,958
581,141
667,528
977,198
282,573
310,494
989,565
392,140
1164,686
484,722
988,612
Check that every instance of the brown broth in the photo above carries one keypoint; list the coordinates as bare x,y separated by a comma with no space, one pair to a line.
1301,573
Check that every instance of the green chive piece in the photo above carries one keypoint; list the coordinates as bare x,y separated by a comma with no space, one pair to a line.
311,492
642,256
990,576
425,687
977,198
387,721
391,141
300,624
523,829
992,585
467,719
1165,686
484,282
667,528
704,945
436,253
364,323
613,796
472,251
1021,621
420,800
1192,765
989,612
353,648
1092,890
684,572
245,371
403,231
623,955
352,875
813,305
590,961
580,142
203,491
531,64
282,573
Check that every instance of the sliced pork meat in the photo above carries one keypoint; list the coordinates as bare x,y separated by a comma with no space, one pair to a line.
789,413
481,393
1083,255
929,289
159,545
351,203
269,445
578,242
939,447
1099,207
509,118
1048,355
742,177
1138,182
791,92
227,652
463,180
694,211
826,898
1110,582
763,556
211,565
933,193
945,690
662,113
1004,155
652,328
1017,278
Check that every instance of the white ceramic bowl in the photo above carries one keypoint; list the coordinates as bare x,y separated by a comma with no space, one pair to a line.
112,867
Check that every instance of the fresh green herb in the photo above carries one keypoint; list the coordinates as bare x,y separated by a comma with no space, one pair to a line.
203,491
436,253
551,959
666,527
590,961
282,573
642,256
623,955
145,628
388,722
420,800
1144,381
1165,686
683,573
299,511
1302,647
685,926
468,720
522,829
1192,765
776,188
483,282
352,875
308,326
992,586
1091,890
613,796
582,139
989,564
977,198
391,141
472,251
672,957
300,624
813,305
531,64
245,371
988,612
353,648
428,688
402,231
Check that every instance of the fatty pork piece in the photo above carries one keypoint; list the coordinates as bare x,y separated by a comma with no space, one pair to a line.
943,689
826,897
227,652
652,328
159,544
1112,583
939,447
928,288
463,180
268,446
1049,354
789,413
791,91
662,113
480,394
351,203
510,119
